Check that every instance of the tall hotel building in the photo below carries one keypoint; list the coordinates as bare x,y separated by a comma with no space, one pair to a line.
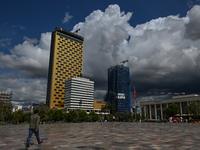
66,61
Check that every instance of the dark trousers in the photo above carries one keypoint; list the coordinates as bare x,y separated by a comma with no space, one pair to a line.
31,131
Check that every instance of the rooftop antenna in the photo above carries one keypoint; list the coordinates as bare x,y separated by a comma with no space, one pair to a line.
77,31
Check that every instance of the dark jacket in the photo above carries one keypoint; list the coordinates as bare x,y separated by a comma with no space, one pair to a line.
34,122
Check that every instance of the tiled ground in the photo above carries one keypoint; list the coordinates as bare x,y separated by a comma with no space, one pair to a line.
104,136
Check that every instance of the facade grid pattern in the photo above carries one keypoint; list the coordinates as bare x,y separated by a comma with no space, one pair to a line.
119,88
5,96
66,61
79,93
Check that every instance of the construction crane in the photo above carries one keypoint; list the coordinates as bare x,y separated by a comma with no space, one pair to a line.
117,63
171,93
124,62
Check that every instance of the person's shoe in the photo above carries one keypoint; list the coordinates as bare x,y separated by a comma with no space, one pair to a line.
41,142
27,146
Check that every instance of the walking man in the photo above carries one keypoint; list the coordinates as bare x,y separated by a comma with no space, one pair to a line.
34,128
113,118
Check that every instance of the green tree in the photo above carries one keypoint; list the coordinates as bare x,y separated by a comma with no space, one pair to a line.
194,108
65,117
109,107
72,116
93,116
5,110
117,116
26,117
82,116
17,115
104,109
51,114
172,110
80,103
128,116
112,107
42,111
58,115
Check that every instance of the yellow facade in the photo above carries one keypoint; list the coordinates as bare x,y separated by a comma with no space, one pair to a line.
98,104
66,61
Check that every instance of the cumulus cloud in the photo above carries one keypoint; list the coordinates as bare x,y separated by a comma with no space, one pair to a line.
34,41
26,70
156,50
192,28
25,91
163,53
67,17
31,60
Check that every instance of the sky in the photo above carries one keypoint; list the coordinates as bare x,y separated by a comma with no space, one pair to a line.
159,38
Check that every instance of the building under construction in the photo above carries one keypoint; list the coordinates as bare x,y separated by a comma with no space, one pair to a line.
119,88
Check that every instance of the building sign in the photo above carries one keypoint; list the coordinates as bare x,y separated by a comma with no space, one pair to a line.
120,96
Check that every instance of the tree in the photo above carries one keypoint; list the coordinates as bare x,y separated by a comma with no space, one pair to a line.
50,114
82,116
117,116
65,116
17,115
58,115
72,116
172,110
112,107
194,108
5,110
109,106
93,116
128,116
80,103
42,111
26,117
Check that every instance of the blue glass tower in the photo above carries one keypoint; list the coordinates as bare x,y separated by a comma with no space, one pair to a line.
119,88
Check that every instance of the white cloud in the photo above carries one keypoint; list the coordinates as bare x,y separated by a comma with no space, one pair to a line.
24,90
34,41
19,26
30,59
67,17
156,49
163,53
192,28
5,43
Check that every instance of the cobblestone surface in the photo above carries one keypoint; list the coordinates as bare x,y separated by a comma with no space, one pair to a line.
104,136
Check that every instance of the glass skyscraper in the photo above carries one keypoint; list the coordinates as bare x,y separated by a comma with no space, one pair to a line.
119,88
66,61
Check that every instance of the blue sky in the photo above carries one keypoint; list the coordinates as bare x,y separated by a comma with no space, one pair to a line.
151,34
24,18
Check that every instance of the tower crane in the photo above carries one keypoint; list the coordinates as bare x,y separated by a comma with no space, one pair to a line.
118,63
124,62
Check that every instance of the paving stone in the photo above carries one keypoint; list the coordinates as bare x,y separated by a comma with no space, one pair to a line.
104,136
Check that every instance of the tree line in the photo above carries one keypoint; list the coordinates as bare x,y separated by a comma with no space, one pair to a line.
51,115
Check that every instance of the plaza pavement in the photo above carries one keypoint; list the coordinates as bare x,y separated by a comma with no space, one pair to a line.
104,136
